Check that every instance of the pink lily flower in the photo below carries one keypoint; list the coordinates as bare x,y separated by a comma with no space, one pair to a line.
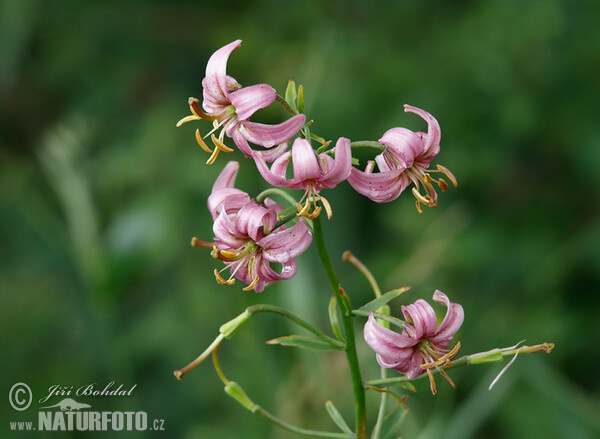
312,172
230,106
244,238
422,345
405,160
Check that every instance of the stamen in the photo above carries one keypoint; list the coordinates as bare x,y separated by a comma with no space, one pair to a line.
431,382
327,207
201,142
252,285
195,107
427,178
251,265
228,256
445,375
442,184
448,174
199,243
418,204
219,144
186,119
302,211
314,214
420,197
443,359
222,281
213,156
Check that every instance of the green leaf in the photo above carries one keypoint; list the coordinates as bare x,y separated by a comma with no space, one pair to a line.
301,99
334,318
393,421
290,95
375,304
393,320
337,417
307,342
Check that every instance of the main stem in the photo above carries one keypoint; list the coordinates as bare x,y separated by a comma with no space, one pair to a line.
346,313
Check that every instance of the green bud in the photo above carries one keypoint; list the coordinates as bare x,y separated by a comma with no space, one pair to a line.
493,356
234,390
229,328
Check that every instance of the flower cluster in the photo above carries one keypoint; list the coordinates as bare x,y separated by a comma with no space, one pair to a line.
246,238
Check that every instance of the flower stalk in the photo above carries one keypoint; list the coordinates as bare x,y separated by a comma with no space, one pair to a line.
346,315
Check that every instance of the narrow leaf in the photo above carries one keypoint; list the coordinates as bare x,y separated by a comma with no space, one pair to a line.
301,99
393,320
334,318
290,95
307,342
337,417
375,304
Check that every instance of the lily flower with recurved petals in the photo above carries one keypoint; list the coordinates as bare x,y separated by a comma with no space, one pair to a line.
312,172
422,345
229,106
405,160
244,238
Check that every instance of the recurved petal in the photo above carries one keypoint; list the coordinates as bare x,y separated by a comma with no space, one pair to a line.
423,318
248,100
283,245
434,132
305,161
452,321
275,177
231,198
380,187
251,219
404,145
271,135
342,165
226,234
385,341
241,142
226,178
216,78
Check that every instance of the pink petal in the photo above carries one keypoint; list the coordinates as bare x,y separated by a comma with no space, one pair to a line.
271,135
305,161
404,145
272,177
342,164
226,234
422,315
283,245
230,198
226,178
248,100
434,132
215,83
452,321
252,218
380,187
242,144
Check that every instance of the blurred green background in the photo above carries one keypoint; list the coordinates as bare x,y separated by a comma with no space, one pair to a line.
101,194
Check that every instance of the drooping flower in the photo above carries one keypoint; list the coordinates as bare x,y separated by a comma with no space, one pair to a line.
422,345
312,172
245,239
230,106
405,160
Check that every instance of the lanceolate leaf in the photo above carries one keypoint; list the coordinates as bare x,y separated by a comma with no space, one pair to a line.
337,417
308,342
375,304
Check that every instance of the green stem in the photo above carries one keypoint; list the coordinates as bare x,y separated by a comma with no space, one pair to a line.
346,314
367,144
285,105
351,259
285,219
275,420
278,192
254,309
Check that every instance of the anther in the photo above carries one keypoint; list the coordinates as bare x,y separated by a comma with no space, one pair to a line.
448,174
201,142
222,281
327,207
252,285
442,184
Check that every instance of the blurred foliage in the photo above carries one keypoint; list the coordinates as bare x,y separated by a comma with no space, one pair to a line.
101,194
